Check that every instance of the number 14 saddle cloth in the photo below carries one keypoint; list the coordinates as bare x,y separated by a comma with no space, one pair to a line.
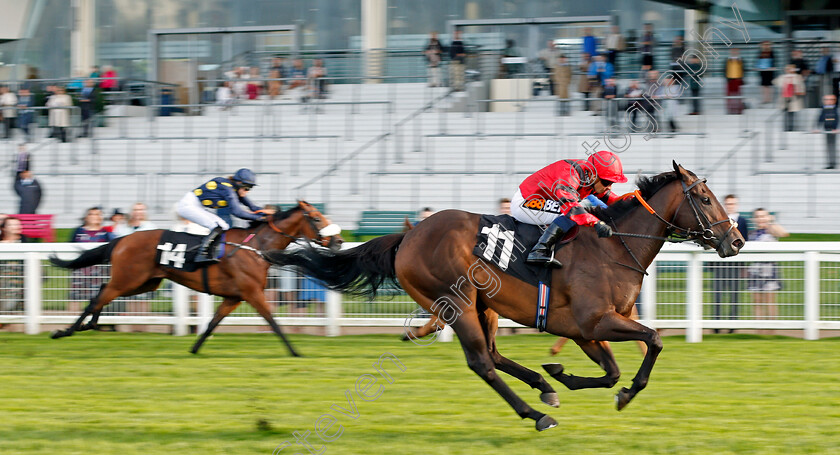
505,242
178,250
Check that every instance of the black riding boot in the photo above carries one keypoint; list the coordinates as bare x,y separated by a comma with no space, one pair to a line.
207,248
543,251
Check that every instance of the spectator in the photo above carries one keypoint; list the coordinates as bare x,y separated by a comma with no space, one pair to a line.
614,45
549,57
590,43
601,69
648,41
677,51
425,213
764,279
511,51
109,79
727,276
801,64
792,89
87,98
117,221
669,103
8,101
457,62
828,121
825,68
651,87
767,70
279,64
11,271
29,191
734,80
25,114
85,282
315,78
136,222
562,77
275,84
298,75
504,206
611,99
434,53
11,230
631,94
240,84
95,73
22,160
224,96
60,113
255,85
584,86
694,85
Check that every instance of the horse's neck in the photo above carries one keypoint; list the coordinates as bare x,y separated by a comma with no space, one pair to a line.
268,239
640,221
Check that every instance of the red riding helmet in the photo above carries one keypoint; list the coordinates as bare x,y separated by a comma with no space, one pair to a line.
607,166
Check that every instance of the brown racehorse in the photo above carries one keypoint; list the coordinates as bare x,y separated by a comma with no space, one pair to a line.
240,275
591,297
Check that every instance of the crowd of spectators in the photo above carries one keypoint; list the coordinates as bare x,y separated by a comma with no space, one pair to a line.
282,81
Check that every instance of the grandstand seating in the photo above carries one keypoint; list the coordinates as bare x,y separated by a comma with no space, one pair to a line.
434,158
381,222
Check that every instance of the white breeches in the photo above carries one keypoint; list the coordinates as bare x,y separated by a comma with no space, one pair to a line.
190,207
529,216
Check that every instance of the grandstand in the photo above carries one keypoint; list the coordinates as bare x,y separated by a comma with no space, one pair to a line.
400,146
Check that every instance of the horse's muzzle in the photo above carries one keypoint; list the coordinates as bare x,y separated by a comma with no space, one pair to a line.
730,248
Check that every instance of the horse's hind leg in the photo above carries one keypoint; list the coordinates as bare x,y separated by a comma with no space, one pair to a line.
600,353
227,306
106,294
490,323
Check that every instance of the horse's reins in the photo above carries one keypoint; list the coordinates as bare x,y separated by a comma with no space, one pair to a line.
306,213
685,235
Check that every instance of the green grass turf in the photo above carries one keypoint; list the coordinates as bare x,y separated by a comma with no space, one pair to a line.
108,393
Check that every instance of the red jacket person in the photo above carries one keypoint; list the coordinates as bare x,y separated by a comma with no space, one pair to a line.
552,195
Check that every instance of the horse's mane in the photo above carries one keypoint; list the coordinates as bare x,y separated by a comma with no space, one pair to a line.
279,216
648,186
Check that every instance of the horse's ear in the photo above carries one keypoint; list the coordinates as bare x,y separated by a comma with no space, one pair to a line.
678,169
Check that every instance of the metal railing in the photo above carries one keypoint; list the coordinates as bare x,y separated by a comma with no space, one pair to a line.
769,286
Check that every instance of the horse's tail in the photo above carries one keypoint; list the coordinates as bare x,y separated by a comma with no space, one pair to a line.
98,255
361,270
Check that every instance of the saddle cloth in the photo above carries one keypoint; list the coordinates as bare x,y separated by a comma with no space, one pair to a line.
178,250
505,242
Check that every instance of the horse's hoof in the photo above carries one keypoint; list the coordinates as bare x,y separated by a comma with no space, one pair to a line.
553,369
295,354
545,423
58,334
622,398
550,398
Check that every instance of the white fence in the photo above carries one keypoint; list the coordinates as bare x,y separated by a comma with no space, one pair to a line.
771,286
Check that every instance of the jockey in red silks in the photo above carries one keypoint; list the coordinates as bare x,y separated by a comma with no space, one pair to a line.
552,195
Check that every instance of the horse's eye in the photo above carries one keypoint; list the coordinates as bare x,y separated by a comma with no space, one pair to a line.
707,201
316,219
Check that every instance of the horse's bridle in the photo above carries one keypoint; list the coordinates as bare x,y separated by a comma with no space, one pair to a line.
325,234
674,233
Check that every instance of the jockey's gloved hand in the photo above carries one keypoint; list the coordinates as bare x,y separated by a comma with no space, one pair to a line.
603,229
264,217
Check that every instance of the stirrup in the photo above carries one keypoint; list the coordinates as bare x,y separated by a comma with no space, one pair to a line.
548,261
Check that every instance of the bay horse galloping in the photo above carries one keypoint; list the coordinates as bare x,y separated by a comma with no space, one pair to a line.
591,297
240,275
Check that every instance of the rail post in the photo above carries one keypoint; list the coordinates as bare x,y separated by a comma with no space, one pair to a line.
32,293
694,305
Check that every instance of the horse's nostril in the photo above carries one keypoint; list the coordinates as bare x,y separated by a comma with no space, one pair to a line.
738,243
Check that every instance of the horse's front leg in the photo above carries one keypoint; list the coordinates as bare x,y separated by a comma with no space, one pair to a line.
600,353
615,327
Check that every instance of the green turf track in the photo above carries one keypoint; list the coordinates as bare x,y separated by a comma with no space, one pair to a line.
108,393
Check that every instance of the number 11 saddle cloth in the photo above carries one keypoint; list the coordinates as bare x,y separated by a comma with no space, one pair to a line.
505,242
178,250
